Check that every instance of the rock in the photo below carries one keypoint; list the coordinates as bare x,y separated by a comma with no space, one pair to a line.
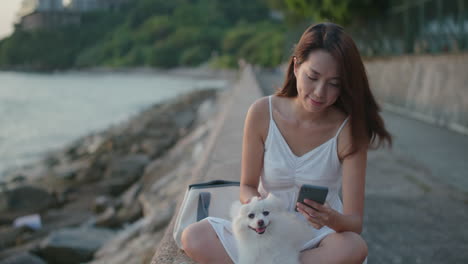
153,203
158,220
25,199
63,177
131,209
19,178
97,168
116,186
124,171
149,146
101,203
167,180
185,119
117,159
51,161
9,236
153,167
85,146
117,243
23,258
129,197
127,209
68,171
137,250
70,246
108,219
205,110
129,214
137,242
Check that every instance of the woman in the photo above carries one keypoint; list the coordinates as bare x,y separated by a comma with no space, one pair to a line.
316,130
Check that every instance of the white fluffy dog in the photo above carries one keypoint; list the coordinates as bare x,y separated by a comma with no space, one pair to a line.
266,233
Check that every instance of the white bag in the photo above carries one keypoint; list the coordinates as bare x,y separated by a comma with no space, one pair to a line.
201,200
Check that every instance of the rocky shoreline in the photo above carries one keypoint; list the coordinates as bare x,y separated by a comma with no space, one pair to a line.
107,197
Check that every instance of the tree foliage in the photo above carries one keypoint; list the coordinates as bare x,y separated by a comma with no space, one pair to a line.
165,33
343,12
157,33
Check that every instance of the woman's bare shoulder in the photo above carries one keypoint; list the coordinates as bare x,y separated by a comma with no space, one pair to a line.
260,107
258,116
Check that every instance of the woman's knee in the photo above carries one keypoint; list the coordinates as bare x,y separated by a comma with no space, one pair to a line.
358,246
353,247
194,238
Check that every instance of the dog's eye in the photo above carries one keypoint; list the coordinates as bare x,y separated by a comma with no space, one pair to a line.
251,215
266,213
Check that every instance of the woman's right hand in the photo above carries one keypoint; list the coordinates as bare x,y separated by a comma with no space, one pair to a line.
247,192
250,199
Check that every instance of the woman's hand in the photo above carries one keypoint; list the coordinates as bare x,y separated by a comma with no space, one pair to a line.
324,215
250,199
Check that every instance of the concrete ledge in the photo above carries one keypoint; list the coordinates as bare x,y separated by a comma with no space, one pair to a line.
222,155
430,88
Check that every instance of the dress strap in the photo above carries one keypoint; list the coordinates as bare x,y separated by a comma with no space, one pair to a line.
269,104
341,127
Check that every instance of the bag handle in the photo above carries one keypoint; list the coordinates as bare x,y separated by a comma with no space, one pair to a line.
213,184
203,205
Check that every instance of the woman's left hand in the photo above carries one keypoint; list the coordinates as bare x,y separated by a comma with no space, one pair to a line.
323,216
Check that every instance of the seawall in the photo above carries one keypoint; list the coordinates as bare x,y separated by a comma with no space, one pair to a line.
431,88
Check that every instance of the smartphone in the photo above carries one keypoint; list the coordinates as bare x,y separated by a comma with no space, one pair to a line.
312,192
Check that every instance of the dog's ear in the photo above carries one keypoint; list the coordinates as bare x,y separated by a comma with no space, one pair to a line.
235,208
254,199
244,209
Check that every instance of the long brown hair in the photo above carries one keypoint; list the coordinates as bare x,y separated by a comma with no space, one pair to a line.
356,99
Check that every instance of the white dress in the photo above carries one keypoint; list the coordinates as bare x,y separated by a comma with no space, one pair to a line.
284,173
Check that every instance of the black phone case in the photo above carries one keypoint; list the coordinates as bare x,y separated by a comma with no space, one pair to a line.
312,192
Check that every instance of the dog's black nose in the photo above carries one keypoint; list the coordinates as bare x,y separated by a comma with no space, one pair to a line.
260,223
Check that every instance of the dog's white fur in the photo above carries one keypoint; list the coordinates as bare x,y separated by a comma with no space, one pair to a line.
280,238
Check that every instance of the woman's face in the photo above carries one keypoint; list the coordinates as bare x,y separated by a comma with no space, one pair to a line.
318,81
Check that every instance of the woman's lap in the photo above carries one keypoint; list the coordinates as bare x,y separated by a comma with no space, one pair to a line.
225,235
201,243
346,245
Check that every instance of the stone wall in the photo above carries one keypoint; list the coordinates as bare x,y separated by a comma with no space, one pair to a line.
430,88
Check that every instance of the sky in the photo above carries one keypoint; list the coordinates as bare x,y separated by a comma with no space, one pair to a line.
8,10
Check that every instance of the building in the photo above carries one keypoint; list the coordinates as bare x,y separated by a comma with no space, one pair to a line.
92,5
49,5
36,14
30,6
83,5
49,20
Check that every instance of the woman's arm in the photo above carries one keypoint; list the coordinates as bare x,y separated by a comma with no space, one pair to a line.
354,173
253,148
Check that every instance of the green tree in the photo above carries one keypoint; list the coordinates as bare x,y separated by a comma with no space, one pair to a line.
152,32
343,12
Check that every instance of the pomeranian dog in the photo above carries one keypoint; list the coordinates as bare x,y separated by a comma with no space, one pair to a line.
267,233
